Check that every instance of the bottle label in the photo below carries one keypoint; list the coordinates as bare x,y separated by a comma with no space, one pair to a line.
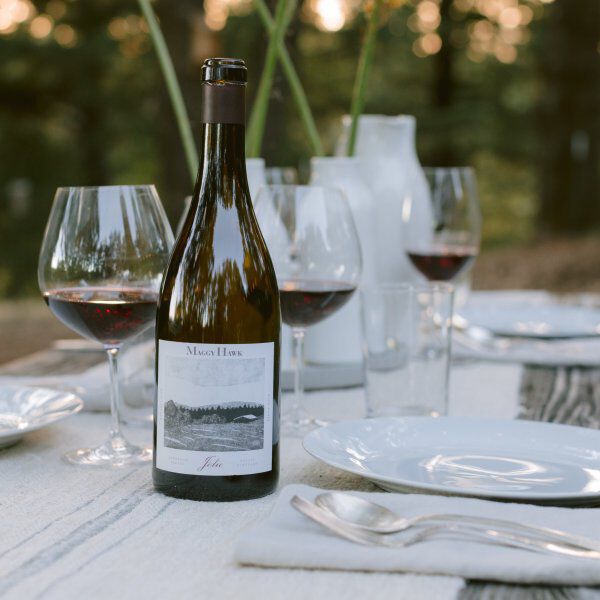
214,412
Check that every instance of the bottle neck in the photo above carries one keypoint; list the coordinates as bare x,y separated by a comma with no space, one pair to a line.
400,136
391,137
223,168
223,155
333,168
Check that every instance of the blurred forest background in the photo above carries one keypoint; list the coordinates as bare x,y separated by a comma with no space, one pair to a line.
509,86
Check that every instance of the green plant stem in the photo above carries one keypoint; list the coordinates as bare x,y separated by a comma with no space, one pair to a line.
256,125
168,71
293,81
362,75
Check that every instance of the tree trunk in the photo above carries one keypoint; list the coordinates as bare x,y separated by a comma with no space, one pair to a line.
94,156
188,39
443,90
570,200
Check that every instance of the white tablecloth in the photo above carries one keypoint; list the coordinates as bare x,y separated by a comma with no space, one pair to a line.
68,532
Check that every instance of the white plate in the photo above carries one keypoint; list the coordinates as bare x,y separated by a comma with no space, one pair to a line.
24,409
485,458
531,320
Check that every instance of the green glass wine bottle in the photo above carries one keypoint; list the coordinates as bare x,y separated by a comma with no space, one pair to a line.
216,432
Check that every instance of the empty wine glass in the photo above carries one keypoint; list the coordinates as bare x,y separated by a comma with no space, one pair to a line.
281,175
442,238
100,269
315,249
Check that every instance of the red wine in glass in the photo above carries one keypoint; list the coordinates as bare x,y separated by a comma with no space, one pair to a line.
442,264
305,302
106,315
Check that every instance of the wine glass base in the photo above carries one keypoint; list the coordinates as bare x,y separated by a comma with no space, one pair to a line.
301,427
114,454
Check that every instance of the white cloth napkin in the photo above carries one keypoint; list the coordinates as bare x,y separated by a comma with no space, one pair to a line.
287,538
136,374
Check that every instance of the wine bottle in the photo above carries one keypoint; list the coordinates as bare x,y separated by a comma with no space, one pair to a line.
216,433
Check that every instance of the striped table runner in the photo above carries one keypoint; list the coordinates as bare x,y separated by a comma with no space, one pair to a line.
67,532
561,395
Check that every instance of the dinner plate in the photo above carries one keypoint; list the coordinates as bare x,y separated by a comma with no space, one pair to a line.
512,460
24,409
534,320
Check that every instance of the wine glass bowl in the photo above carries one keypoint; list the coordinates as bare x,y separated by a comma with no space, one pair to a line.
100,270
315,249
442,238
103,314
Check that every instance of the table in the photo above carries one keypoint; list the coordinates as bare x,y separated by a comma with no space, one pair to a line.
68,532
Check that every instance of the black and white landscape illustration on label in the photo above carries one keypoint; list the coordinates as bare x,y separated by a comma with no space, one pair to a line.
218,406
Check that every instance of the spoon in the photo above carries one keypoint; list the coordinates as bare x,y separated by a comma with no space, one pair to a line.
367,515
473,335
489,536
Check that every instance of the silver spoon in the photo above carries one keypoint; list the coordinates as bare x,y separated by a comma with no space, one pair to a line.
373,517
489,536
473,335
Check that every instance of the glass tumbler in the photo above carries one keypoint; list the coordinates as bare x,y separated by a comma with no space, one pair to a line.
407,347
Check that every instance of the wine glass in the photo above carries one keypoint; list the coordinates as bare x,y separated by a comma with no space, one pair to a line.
100,269
281,175
315,249
442,237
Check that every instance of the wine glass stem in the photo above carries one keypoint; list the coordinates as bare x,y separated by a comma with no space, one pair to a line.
298,334
115,394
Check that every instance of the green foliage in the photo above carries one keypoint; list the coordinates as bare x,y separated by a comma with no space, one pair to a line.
84,115
507,189
97,113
